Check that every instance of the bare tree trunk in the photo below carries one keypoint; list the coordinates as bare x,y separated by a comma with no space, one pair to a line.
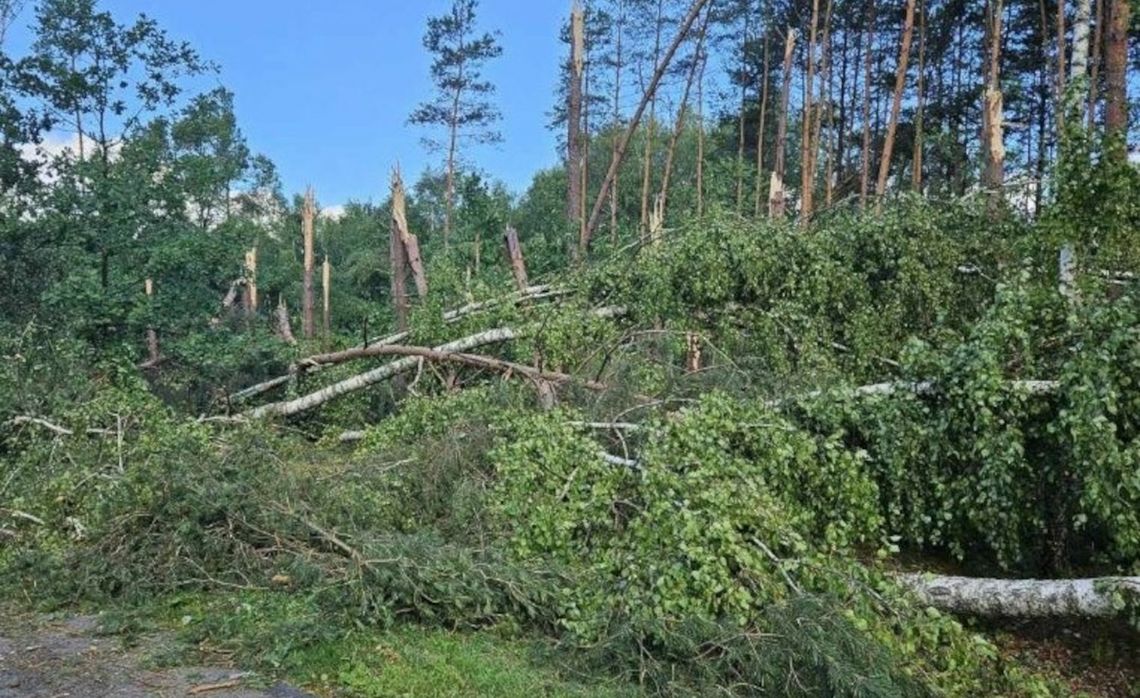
761,127
518,262
740,121
153,356
992,113
1097,57
701,138
1022,598
896,105
682,114
251,280
824,103
1116,73
615,164
1080,63
776,188
398,262
574,164
284,327
651,128
807,164
916,165
1061,52
619,65
308,213
326,295
410,243
865,158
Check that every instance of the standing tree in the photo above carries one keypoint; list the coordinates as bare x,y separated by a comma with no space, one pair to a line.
1116,71
462,102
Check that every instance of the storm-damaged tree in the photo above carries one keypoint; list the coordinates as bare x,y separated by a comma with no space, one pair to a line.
461,105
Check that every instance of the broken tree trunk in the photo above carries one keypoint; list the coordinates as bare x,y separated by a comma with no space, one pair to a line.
326,295
518,263
776,189
152,351
251,281
574,160
1021,598
308,213
398,282
284,328
623,146
411,244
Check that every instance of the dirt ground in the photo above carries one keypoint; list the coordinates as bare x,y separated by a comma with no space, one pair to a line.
42,657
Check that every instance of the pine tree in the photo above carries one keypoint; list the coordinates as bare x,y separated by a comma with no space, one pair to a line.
462,104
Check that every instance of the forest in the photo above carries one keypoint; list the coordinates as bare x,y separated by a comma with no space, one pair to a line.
811,369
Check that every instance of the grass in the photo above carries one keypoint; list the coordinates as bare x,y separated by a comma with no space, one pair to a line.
289,636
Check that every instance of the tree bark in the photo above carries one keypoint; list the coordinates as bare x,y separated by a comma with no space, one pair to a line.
619,65
284,327
896,105
326,295
865,158
615,164
651,128
761,127
153,356
807,144
518,263
1116,73
251,280
1080,62
993,138
1096,58
574,162
410,243
916,163
776,187
1021,598
308,213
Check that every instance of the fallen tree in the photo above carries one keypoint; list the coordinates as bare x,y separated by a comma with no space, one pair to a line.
1023,598
312,364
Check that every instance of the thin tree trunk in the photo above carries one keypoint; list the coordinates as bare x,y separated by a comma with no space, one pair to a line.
916,165
865,159
776,188
518,262
615,164
701,138
740,120
153,356
651,128
896,105
1116,74
326,294
807,169
682,114
398,277
1097,57
761,127
1061,52
308,213
619,65
574,164
824,103
1022,598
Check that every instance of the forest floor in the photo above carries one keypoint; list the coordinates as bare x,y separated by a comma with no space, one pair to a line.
58,657
94,656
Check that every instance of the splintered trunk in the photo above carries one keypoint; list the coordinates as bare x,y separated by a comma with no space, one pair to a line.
761,126
651,128
574,164
916,165
398,283
151,335
518,262
251,281
865,156
284,327
776,188
896,104
308,213
1116,74
992,113
411,245
326,293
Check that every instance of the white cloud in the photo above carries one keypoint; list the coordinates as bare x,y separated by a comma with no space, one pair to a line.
333,213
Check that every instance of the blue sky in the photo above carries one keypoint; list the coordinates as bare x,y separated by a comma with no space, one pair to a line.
325,88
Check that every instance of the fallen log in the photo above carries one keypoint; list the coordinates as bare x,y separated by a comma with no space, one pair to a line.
1022,598
311,364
